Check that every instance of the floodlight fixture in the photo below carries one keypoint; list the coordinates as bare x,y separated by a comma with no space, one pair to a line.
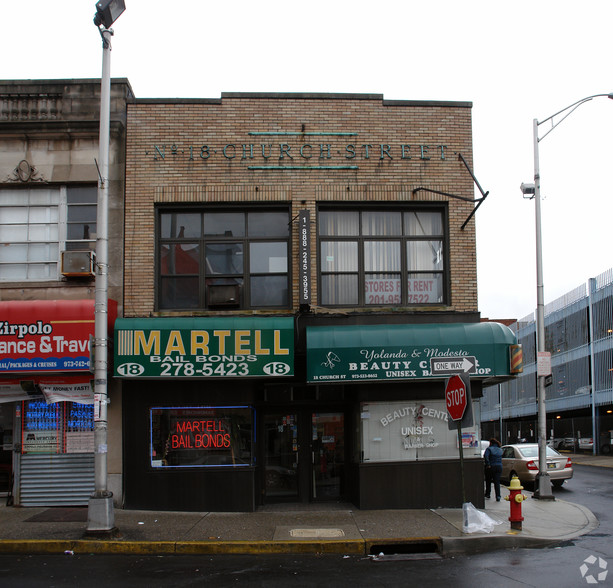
108,11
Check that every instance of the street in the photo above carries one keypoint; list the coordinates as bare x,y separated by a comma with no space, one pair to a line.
559,567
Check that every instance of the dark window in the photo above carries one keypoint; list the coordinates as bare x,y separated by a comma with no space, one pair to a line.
382,257
201,436
223,259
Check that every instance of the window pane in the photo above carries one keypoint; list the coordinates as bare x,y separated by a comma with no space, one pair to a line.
339,256
268,224
382,289
339,223
224,258
41,197
40,271
382,256
179,293
13,215
424,255
268,258
42,252
13,272
339,289
81,213
201,436
423,223
180,225
425,288
43,232
269,291
14,252
181,258
224,224
13,233
381,223
43,215
81,231
82,194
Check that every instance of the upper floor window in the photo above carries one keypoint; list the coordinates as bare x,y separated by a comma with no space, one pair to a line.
223,258
37,224
381,257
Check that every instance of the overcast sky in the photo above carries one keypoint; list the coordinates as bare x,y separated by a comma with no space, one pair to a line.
515,61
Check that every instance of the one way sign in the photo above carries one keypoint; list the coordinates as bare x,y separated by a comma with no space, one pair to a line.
453,365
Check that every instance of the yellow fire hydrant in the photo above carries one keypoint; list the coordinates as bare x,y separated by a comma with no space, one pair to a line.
515,498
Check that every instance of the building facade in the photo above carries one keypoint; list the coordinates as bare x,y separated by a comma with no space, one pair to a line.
300,282
49,133
579,396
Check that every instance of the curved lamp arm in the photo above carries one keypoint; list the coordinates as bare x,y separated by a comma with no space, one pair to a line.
568,111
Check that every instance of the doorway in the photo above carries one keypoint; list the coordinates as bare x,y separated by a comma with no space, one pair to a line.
304,456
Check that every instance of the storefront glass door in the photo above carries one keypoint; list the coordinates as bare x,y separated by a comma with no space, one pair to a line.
328,454
304,456
281,457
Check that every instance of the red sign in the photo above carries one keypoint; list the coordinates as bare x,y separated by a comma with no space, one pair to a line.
455,398
42,336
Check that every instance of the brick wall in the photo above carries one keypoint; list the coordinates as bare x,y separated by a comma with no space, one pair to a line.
359,139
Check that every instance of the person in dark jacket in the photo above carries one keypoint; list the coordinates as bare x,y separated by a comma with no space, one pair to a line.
493,461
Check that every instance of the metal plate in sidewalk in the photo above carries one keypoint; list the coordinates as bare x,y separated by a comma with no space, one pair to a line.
316,533
292,532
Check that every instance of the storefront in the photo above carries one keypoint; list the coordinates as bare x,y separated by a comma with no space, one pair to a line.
47,401
228,413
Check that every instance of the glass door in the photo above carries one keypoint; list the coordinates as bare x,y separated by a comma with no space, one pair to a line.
281,456
328,454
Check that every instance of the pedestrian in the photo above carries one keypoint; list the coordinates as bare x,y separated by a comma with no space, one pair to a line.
493,461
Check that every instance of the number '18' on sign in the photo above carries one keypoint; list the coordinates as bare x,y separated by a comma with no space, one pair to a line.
455,397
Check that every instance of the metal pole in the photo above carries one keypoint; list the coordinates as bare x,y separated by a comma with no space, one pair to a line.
543,486
595,424
101,517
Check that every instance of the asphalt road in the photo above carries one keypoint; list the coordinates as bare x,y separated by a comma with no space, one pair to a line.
559,567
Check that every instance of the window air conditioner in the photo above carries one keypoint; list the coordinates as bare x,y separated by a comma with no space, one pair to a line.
223,295
78,263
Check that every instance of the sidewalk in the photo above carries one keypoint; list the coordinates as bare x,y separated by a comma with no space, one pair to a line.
320,528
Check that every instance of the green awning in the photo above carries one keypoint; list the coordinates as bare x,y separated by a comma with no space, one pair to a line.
404,352
204,347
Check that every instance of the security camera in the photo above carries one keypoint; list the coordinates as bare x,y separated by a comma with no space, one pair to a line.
527,189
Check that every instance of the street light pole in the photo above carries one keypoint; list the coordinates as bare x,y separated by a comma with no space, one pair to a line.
100,513
543,482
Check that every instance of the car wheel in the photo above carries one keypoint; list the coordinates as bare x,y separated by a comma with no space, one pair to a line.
557,483
605,449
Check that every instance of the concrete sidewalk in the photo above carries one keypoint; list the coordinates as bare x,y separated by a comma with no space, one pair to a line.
318,528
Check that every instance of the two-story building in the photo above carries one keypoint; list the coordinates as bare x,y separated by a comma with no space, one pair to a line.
300,281
49,133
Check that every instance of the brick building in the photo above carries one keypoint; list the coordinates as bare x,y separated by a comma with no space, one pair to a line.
295,265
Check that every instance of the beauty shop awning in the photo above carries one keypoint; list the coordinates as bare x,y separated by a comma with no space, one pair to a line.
366,353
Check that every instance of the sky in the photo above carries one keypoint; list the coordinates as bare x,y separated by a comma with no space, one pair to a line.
515,61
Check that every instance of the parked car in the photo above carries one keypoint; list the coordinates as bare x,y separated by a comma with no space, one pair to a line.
586,443
522,460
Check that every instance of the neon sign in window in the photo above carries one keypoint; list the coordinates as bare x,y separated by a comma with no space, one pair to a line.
201,436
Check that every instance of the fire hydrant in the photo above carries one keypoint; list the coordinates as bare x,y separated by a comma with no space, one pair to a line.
515,498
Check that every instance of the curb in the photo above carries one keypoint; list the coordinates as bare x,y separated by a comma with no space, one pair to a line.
445,546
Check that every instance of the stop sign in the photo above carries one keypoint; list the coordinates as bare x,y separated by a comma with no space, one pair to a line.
455,398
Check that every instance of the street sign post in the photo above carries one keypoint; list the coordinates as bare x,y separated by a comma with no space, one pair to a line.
456,400
455,397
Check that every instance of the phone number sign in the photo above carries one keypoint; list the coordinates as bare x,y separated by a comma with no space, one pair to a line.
204,347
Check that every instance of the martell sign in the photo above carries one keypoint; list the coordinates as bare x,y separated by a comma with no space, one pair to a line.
456,398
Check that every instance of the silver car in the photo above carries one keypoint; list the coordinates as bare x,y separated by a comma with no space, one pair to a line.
522,460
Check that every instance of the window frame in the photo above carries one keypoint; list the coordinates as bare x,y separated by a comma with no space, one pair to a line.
62,243
245,241
403,238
